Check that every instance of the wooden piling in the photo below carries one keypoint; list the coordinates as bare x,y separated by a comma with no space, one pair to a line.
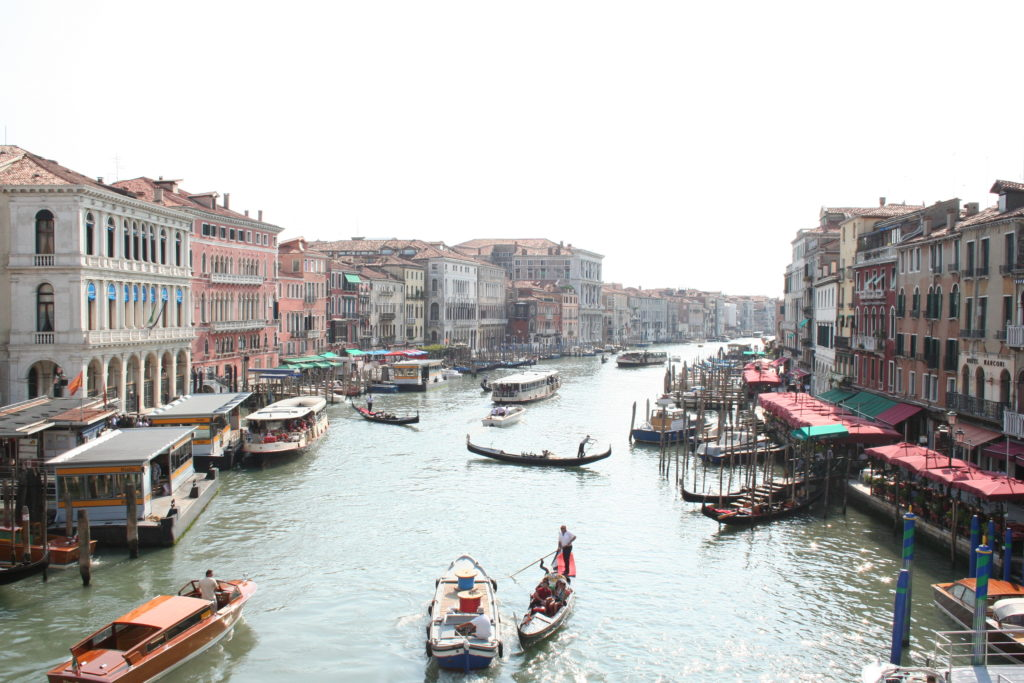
84,540
131,521
632,421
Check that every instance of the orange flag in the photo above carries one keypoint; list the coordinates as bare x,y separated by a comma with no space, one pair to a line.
75,385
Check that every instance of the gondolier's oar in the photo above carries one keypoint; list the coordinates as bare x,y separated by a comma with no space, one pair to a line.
539,559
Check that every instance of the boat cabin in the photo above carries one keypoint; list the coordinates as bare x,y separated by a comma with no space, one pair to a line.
1009,612
417,375
154,462
217,419
523,387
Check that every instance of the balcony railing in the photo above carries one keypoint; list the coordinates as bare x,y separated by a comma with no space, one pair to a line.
1007,269
972,334
871,294
387,316
842,342
967,272
981,271
952,267
235,279
1000,335
306,334
883,253
977,407
44,337
1013,424
936,268
104,337
1015,336
42,260
237,325
867,342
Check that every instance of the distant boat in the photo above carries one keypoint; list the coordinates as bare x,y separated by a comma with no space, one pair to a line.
636,359
523,387
387,418
503,416
543,459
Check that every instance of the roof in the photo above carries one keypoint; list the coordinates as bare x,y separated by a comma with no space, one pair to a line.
289,408
145,188
201,404
21,167
164,611
123,446
866,403
989,215
820,431
29,417
1001,186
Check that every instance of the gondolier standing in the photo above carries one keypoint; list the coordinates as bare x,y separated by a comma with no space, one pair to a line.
565,540
583,446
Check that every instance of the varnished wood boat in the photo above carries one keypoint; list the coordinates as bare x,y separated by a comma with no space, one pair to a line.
758,514
1004,611
63,549
714,498
543,459
387,418
156,637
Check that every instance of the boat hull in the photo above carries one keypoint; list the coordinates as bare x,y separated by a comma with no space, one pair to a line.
535,460
444,644
542,626
962,614
10,573
654,436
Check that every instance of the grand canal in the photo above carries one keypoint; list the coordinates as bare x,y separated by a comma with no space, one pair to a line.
345,544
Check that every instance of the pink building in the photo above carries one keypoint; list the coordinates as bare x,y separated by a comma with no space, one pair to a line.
302,299
233,259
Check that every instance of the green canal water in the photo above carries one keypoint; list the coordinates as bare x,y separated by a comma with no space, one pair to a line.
345,544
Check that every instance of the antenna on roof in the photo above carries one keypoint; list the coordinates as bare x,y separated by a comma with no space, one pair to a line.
117,167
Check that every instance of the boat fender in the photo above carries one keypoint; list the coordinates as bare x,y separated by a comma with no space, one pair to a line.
501,650
429,653
430,611
494,585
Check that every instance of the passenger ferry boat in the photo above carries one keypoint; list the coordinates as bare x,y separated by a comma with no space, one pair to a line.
157,637
417,375
524,387
636,359
218,422
286,427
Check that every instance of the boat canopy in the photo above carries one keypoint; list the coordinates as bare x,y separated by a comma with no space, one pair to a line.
1009,610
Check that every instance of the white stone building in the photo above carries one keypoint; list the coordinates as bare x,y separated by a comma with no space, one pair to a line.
96,288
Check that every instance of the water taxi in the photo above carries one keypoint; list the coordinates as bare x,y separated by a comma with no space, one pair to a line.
524,387
218,422
63,550
157,637
417,375
503,416
286,427
637,359
666,424
1004,611
463,594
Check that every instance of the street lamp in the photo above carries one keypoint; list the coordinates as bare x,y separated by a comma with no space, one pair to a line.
951,419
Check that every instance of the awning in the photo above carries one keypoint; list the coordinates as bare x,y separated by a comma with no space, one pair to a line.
975,435
329,354
779,361
797,372
898,413
820,432
866,403
354,279
1000,449
836,395
803,323
355,352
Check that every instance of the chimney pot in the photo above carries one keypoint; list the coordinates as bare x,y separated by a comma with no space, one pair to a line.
971,208
158,195
881,201
927,225
950,218
260,216
227,200
99,179
247,213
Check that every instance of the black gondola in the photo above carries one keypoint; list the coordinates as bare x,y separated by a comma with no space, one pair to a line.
766,513
388,418
485,385
544,459
719,498
9,573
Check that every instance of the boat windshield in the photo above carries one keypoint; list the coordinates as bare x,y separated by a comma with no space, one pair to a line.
117,636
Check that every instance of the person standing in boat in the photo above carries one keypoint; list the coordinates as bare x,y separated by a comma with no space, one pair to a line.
583,446
208,587
565,541
369,403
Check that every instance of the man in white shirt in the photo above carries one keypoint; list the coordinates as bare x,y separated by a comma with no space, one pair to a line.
208,587
565,539
478,627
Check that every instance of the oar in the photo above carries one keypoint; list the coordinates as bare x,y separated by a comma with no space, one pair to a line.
539,559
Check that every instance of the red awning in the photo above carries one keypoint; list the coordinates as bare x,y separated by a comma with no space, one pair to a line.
778,361
992,486
898,413
949,475
755,376
797,372
974,435
999,450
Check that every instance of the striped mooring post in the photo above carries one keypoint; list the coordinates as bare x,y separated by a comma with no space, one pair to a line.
909,526
979,640
972,571
1007,553
899,615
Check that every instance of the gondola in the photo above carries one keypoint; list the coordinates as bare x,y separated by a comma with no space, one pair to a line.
719,498
9,573
768,513
536,627
387,418
484,385
544,459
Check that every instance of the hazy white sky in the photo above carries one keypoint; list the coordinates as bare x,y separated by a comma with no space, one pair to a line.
687,142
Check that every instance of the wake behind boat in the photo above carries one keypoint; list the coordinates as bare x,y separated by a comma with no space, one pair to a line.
544,459
156,637
465,622
286,427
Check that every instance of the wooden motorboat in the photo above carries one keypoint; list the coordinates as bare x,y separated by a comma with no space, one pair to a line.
63,549
758,513
666,424
543,459
503,416
156,637
461,594
736,445
387,418
536,626
1005,611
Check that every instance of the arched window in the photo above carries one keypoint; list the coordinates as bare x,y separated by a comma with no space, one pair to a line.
44,232
954,302
965,381
434,310
90,234
163,247
177,249
203,262
44,308
1004,387
111,237
901,303
938,303
144,254
915,303
126,234
929,305
892,323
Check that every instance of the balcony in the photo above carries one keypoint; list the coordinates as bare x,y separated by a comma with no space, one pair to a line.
972,334
1013,424
871,294
387,316
42,260
1008,269
935,268
1000,335
842,342
238,325
310,299
981,271
866,342
967,272
161,334
976,407
952,267
1015,336
233,279
881,254
306,334
44,337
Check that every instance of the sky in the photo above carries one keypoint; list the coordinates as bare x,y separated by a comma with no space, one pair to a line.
686,142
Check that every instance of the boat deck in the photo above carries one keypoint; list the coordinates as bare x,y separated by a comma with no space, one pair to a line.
448,616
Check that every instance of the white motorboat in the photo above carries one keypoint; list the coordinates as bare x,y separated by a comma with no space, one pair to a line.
463,593
503,416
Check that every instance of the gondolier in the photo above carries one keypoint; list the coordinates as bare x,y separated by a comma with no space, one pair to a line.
565,541
583,446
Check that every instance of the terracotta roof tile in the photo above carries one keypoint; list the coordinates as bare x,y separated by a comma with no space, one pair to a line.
21,167
145,188
1001,186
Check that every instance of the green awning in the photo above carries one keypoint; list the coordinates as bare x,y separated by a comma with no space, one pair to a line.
803,323
820,432
355,352
354,279
836,395
866,403
329,354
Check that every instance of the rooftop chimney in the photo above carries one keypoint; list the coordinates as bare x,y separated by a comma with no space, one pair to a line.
881,201
950,218
99,180
260,216
971,208
158,195
926,225
247,213
227,200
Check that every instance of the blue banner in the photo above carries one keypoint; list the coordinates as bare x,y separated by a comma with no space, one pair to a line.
112,292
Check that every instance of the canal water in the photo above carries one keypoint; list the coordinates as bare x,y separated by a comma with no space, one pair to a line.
345,544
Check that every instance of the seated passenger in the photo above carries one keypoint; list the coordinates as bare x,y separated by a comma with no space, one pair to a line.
479,627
